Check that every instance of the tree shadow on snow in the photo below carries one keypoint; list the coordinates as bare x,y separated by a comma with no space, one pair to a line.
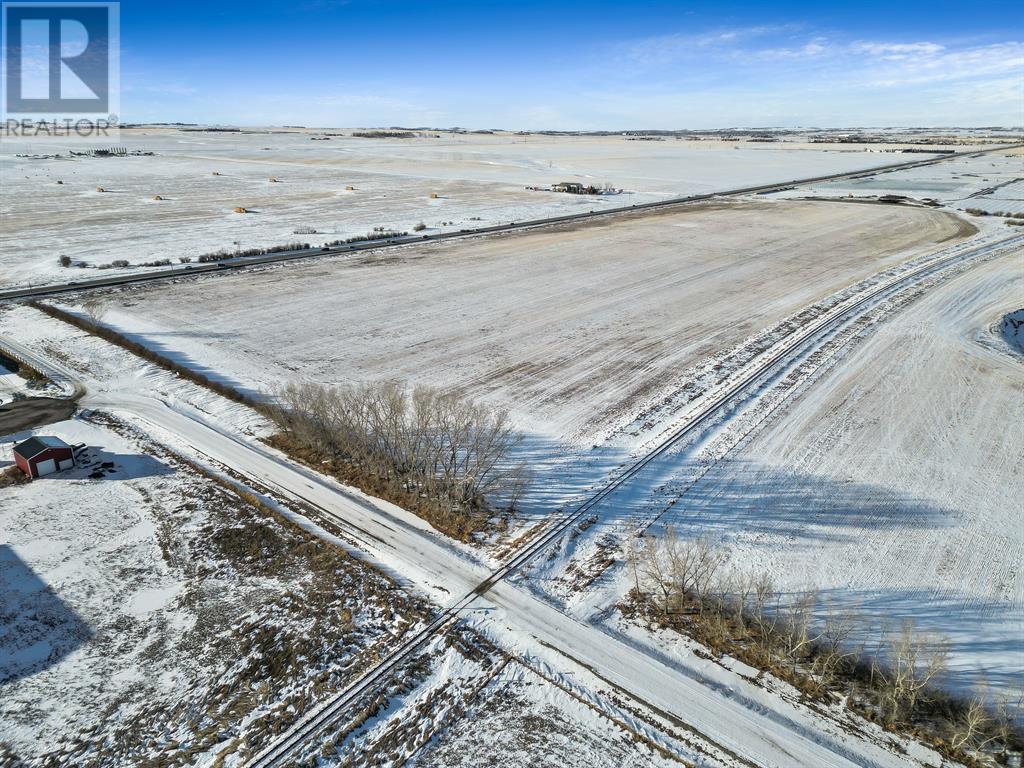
743,497
733,497
149,340
37,628
986,637
559,478
762,507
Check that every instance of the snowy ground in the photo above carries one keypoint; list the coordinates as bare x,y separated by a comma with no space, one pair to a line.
531,717
478,179
897,479
580,331
882,480
733,712
528,320
571,329
992,182
575,337
151,607
11,385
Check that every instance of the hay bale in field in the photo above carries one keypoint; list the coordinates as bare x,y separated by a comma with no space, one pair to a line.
216,173
157,197
240,209
59,181
273,180
100,189
433,195
350,188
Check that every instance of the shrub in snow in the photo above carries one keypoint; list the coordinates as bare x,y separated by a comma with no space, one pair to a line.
436,453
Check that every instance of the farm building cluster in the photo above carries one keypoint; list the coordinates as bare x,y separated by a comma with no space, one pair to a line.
578,188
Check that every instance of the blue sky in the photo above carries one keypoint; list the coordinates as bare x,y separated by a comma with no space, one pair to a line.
573,65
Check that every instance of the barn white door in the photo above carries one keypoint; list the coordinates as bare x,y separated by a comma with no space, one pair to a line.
46,467
67,464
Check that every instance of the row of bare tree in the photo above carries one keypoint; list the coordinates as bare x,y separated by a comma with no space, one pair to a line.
686,583
435,444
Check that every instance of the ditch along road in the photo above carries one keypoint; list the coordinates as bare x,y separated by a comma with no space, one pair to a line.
193,270
734,719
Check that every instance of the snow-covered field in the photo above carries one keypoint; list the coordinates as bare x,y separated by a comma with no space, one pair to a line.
892,483
510,615
477,179
577,339
572,329
895,481
888,479
991,182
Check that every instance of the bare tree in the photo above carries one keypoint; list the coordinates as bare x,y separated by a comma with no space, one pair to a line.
633,550
422,441
705,561
764,615
1006,715
96,308
914,661
656,567
738,596
971,726
798,633
681,571
836,645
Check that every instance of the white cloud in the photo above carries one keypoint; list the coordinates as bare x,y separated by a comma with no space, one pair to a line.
897,51
759,76
815,48
940,64
666,49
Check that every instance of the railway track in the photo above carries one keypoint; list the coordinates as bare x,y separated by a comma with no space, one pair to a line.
254,261
303,732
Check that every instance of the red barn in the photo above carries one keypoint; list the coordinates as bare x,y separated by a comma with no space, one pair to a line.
42,455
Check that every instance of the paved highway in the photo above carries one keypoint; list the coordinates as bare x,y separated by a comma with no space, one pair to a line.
244,262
